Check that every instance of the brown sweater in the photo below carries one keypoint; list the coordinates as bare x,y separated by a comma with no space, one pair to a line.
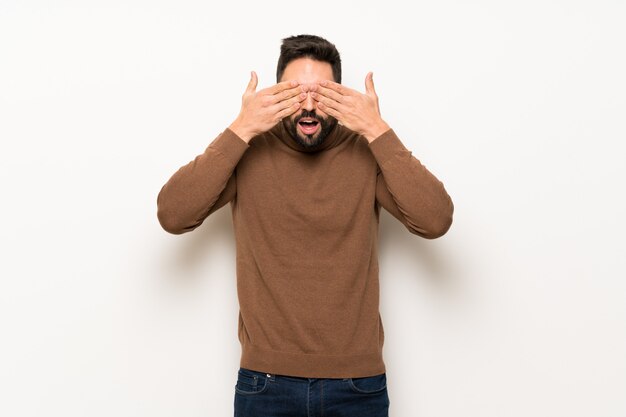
306,230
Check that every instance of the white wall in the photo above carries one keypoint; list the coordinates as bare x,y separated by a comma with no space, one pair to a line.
518,107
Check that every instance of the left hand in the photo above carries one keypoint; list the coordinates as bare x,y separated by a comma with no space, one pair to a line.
356,111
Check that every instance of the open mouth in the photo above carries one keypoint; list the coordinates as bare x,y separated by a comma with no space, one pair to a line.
308,125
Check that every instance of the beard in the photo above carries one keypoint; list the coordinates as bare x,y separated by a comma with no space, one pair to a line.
314,140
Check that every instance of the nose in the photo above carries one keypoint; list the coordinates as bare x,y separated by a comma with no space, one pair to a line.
308,103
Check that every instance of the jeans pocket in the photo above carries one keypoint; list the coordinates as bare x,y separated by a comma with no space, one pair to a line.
369,384
251,382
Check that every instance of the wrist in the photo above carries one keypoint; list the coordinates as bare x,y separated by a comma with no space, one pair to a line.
244,133
376,130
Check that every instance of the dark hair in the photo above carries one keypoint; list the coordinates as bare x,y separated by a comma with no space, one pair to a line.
308,46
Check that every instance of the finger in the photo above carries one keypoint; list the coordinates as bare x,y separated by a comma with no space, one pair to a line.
287,103
330,103
287,94
341,89
288,111
369,83
327,92
330,111
284,85
252,83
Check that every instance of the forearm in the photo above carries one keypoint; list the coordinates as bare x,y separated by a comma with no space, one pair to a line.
421,199
188,196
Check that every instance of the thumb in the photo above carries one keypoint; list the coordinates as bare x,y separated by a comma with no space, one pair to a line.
253,82
369,83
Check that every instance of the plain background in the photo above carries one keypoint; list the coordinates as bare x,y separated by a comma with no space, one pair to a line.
518,107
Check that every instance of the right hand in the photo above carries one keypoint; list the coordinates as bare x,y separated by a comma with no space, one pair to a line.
261,110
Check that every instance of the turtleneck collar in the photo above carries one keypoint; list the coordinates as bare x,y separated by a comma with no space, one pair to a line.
334,138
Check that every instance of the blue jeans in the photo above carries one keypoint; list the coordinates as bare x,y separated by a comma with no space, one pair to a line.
258,394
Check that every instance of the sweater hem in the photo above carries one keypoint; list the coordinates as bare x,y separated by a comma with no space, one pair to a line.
312,365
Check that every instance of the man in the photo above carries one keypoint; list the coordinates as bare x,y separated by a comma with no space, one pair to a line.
306,166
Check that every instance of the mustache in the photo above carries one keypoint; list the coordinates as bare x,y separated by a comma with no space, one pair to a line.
306,113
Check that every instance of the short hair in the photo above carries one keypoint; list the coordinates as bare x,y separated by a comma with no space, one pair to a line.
308,46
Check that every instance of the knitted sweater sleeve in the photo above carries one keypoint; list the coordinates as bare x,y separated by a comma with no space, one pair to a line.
202,186
408,191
